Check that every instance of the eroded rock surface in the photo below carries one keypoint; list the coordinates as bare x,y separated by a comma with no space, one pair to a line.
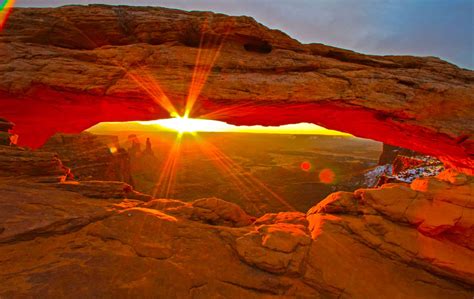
83,58
82,240
429,224
38,165
207,210
92,157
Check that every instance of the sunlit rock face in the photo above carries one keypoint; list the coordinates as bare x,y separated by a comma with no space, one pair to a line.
99,239
68,68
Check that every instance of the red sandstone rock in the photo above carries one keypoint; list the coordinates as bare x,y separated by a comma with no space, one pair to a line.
369,257
88,239
402,163
367,244
283,217
422,224
104,190
277,248
17,162
390,152
92,157
79,59
213,211
453,177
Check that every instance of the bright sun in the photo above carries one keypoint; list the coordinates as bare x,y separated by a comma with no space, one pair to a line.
183,124
189,125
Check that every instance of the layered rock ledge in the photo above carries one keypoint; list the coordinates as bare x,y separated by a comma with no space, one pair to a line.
82,240
66,69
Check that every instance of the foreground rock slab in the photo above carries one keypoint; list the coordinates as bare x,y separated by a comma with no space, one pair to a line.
390,242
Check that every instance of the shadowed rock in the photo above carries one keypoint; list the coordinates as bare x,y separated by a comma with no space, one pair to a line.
18,162
92,157
104,190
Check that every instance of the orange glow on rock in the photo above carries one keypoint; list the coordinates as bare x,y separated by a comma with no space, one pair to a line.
209,50
327,176
113,149
148,83
305,166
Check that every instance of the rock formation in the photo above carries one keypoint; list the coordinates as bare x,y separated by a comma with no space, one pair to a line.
135,147
90,239
82,59
145,166
17,161
92,157
401,165
6,137
148,150
39,165
390,153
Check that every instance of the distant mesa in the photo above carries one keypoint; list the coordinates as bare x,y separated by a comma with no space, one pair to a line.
148,149
135,147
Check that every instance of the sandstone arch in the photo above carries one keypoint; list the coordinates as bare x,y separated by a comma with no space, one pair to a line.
63,70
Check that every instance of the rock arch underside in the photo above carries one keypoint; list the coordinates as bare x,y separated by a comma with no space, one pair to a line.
68,68
65,69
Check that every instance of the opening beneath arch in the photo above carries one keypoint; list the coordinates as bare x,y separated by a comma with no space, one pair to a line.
260,168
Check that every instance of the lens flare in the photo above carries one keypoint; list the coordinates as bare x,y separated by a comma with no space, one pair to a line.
210,46
241,110
5,9
305,166
113,149
327,176
167,180
144,79
254,190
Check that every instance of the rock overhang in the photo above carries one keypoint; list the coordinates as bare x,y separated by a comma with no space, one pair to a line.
65,69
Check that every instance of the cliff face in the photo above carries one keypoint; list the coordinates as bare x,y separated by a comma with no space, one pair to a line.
68,68
390,153
92,157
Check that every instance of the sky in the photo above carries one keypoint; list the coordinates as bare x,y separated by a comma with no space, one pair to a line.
206,125
442,28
